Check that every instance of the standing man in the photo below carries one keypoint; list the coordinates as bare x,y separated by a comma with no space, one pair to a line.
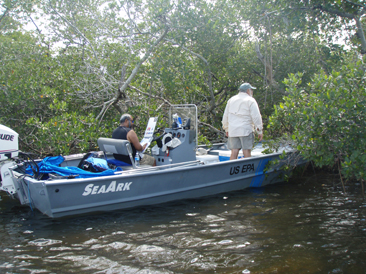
241,119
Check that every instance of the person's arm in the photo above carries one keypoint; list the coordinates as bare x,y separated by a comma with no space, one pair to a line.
225,120
133,139
257,120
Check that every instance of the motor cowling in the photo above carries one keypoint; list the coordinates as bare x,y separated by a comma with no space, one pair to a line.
9,145
9,148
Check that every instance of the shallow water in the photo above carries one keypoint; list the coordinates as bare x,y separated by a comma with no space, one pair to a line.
304,226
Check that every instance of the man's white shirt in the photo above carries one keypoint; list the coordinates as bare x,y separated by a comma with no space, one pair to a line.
242,116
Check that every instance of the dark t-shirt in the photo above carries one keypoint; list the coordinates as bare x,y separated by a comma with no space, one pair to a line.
121,133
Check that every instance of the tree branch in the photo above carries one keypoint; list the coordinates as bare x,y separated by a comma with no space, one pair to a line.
356,4
150,95
361,35
144,58
76,29
357,17
34,23
334,11
121,89
4,15
212,128
212,99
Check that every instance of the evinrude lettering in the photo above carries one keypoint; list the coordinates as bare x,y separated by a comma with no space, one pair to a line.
112,187
7,137
244,169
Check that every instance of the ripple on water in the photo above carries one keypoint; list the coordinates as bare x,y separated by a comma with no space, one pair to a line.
44,242
147,248
27,257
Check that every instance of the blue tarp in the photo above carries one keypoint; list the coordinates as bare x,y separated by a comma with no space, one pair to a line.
98,164
51,165
117,162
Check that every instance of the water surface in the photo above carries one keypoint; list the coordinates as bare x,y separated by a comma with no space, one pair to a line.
304,226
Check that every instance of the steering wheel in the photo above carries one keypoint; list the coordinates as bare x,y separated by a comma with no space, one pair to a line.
157,139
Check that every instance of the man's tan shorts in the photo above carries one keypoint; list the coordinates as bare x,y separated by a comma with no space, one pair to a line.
242,142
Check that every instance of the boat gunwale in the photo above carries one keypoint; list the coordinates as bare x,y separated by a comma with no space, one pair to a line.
149,170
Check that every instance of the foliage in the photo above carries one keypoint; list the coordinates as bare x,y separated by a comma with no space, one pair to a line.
331,19
67,134
91,61
326,120
14,13
27,80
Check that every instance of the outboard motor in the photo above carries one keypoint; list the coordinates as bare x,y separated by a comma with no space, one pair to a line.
8,149
8,143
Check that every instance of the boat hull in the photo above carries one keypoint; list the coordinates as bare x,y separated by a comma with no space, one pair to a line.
66,197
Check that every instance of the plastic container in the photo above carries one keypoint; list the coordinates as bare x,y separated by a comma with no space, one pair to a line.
137,160
177,120
225,155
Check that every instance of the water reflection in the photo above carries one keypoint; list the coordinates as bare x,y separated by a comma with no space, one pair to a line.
297,227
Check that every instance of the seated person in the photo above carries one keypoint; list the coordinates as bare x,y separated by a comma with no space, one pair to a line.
125,132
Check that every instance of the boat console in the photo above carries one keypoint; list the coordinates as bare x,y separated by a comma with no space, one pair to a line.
178,143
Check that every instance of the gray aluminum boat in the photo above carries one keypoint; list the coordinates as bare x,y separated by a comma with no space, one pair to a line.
183,171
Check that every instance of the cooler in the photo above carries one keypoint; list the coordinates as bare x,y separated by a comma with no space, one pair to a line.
208,159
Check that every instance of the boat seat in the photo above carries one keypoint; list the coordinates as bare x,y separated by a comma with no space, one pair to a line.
116,146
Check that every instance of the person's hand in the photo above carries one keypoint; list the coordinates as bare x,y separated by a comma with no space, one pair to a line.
227,134
144,146
260,137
